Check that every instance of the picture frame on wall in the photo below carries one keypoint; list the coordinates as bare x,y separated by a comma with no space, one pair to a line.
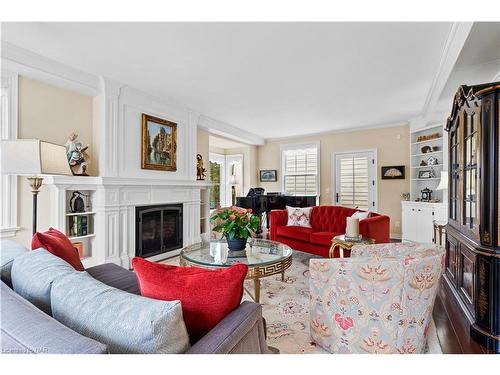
268,175
159,144
393,172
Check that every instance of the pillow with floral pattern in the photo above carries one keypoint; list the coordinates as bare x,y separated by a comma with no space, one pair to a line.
299,216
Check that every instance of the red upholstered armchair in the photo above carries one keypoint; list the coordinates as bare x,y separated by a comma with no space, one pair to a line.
327,222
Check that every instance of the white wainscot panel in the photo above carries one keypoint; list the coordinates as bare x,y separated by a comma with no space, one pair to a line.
126,226
136,196
167,195
112,196
191,232
131,157
129,229
113,239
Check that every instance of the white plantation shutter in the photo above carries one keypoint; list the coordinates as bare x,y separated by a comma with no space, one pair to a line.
355,180
300,170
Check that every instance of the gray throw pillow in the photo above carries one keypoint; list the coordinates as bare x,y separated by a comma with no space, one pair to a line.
9,250
33,274
125,322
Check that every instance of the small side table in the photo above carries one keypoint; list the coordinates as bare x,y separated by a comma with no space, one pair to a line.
342,244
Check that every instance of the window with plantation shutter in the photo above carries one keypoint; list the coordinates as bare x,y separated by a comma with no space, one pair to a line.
300,166
355,180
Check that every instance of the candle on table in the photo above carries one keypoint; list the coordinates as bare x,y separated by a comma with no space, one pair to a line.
352,227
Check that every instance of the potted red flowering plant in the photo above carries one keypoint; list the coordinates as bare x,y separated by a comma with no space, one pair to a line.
236,225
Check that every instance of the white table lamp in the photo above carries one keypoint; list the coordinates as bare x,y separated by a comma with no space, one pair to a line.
443,183
33,158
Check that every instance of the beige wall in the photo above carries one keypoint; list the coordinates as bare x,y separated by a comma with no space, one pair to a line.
49,113
392,144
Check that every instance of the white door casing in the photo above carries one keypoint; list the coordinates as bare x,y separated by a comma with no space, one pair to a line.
339,158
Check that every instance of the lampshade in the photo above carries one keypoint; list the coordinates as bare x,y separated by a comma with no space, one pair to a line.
443,183
233,180
33,157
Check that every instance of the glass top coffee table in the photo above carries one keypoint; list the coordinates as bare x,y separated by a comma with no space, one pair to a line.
263,258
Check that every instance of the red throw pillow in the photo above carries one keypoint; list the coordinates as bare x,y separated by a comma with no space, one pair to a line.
58,244
206,296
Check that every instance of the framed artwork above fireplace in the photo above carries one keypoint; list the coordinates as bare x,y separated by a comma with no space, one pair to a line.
159,144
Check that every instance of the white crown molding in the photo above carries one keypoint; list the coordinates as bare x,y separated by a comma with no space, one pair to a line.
459,32
497,77
32,65
229,131
431,120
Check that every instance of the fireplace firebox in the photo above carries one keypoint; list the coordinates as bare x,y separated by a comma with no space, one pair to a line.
158,229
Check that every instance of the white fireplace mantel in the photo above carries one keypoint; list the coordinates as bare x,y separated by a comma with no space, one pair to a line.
114,201
123,181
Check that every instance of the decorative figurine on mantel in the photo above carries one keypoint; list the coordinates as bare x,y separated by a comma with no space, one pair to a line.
200,170
78,158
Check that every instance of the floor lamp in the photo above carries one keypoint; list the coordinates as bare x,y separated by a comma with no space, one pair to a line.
33,158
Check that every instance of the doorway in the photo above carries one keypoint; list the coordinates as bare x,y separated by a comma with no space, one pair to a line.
217,165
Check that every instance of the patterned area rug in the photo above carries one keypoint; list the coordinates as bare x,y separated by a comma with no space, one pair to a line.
285,307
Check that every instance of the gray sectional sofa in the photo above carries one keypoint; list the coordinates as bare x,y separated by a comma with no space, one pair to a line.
25,328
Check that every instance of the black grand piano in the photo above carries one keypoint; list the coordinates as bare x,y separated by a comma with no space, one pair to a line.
263,203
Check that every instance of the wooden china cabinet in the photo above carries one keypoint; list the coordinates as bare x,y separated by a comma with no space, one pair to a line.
473,231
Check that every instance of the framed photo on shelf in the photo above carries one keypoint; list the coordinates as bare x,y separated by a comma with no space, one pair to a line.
268,175
159,144
426,173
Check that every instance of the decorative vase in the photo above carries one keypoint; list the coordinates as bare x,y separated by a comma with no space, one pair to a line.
237,244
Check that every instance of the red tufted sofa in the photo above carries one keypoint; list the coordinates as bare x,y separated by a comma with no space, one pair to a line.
326,222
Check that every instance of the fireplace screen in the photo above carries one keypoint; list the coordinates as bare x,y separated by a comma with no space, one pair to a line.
158,229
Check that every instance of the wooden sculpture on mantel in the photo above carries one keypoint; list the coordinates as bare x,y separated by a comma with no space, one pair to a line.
200,170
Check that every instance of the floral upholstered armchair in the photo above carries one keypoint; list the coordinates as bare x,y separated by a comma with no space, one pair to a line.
378,301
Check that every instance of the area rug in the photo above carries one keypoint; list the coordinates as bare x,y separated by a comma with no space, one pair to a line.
285,306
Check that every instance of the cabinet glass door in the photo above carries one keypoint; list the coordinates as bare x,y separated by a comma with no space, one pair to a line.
454,173
469,204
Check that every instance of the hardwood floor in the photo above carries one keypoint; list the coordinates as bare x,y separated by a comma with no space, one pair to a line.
451,327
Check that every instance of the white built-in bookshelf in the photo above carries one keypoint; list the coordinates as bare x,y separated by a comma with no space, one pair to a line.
427,176
80,225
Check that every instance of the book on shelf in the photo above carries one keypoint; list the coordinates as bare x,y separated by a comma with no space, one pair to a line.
78,225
